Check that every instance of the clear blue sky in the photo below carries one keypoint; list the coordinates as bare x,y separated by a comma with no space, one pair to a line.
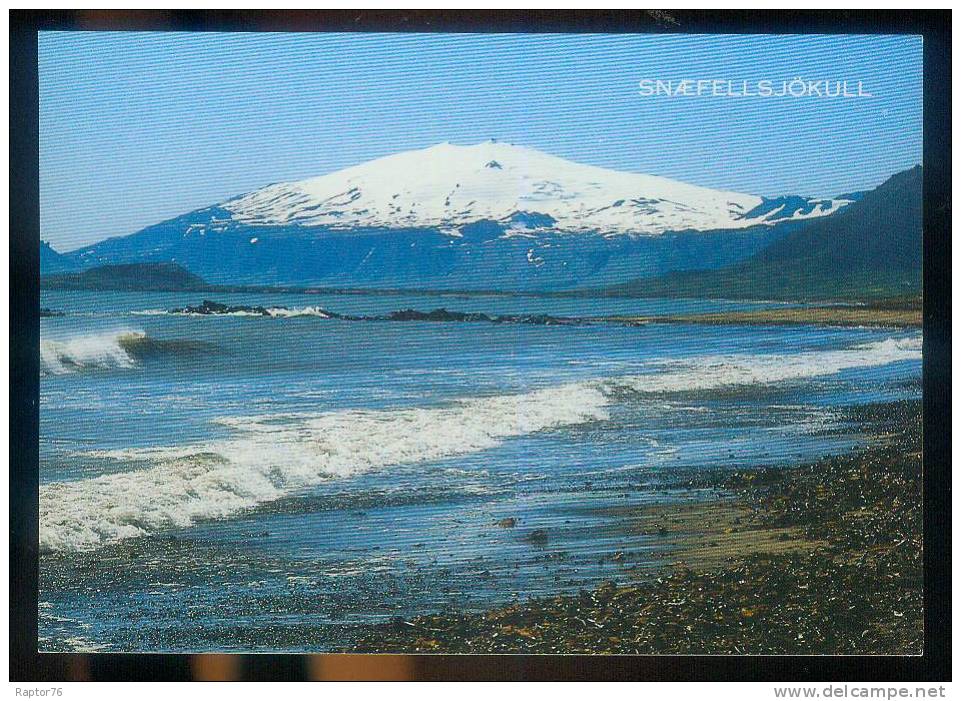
139,127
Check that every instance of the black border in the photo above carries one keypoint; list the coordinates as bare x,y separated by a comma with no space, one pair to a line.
934,665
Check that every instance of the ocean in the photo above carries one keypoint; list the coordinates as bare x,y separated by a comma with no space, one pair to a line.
279,483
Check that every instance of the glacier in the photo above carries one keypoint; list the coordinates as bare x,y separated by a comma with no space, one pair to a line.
449,186
490,216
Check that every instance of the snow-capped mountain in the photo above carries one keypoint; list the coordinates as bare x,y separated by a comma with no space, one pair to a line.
448,186
491,216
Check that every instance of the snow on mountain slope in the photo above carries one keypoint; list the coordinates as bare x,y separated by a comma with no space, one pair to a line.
447,186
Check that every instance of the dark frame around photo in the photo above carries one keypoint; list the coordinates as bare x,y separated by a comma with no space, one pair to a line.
26,664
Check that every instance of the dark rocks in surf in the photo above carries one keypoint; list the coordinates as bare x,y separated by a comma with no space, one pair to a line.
446,315
542,320
207,307
44,312
436,315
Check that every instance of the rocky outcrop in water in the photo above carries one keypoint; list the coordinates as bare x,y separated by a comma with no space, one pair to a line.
435,315
445,315
207,307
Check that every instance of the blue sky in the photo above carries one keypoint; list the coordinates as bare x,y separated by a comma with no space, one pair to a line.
139,127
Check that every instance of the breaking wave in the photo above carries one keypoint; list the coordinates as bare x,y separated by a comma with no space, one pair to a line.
94,351
116,349
282,312
273,312
272,456
720,371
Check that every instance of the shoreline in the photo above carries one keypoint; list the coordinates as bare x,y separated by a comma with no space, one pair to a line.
801,316
821,558
827,316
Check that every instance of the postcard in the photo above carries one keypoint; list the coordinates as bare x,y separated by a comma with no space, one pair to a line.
530,343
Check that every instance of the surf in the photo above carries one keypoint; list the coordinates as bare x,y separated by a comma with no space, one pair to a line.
738,370
214,309
270,456
111,350
86,352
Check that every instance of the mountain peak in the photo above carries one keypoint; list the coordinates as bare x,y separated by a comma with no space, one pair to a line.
450,185
481,149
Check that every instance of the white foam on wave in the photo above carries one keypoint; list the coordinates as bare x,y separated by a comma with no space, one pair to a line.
104,350
269,457
720,371
273,312
281,312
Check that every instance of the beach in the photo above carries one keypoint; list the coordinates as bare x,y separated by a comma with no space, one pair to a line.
893,313
262,475
822,558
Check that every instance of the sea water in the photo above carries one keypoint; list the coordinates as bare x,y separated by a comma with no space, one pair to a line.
239,482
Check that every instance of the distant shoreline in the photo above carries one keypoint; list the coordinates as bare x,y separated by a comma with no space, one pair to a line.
902,311
61,283
799,316
894,314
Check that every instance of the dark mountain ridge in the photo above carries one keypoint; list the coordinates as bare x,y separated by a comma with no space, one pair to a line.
134,276
872,248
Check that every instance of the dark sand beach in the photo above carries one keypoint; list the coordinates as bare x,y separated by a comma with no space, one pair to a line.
892,316
822,558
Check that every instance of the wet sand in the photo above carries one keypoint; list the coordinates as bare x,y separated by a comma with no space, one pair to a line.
704,536
824,558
